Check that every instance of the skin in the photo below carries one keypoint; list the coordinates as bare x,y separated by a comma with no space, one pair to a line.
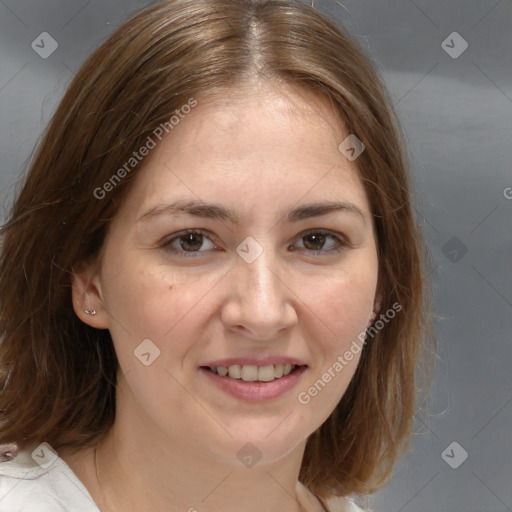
175,439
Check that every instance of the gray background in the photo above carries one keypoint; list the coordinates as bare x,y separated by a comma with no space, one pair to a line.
457,115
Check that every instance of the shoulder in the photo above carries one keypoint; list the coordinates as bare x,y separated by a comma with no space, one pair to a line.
25,485
352,507
46,486
345,504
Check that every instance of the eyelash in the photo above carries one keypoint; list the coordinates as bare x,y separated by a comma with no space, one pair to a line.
166,245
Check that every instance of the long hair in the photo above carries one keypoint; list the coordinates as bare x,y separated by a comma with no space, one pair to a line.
58,374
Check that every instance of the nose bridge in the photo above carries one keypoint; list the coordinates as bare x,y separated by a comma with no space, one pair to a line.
262,301
261,278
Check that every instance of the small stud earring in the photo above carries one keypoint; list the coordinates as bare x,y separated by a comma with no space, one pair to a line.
8,451
93,312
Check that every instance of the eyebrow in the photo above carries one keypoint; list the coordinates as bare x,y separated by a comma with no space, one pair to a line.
219,212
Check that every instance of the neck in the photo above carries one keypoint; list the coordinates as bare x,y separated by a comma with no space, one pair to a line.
141,466
156,477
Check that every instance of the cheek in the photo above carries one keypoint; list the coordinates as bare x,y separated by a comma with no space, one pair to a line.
147,308
348,307
343,302
143,296
149,302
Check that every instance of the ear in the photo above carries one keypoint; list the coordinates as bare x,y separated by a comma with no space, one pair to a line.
86,295
378,304
376,309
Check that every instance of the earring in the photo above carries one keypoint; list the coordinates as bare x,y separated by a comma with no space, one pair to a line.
93,312
8,451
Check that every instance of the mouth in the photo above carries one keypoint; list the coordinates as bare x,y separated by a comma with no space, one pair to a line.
251,383
253,373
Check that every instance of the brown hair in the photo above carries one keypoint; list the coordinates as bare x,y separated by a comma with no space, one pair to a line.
59,374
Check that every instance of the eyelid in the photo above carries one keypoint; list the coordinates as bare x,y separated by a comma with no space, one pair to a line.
166,242
322,231
342,240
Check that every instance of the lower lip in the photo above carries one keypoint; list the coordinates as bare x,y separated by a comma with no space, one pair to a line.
255,391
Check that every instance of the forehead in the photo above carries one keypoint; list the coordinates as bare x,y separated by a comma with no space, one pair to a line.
262,119
266,145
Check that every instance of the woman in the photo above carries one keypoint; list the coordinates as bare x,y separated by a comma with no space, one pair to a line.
211,283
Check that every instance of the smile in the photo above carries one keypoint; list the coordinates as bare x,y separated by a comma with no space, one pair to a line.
252,383
251,373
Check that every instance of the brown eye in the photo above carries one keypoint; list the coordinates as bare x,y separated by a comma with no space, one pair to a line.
188,243
191,241
320,243
314,241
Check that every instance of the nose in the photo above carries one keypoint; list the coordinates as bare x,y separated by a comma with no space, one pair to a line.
261,302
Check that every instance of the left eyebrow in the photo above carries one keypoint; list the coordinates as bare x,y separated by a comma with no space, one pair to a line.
219,212
307,211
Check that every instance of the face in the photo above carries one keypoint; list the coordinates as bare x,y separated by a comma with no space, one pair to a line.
267,257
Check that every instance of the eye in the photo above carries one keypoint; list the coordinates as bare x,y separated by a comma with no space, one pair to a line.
190,242
314,242
187,243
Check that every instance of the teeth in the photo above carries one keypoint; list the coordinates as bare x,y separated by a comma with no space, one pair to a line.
266,373
251,373
235,371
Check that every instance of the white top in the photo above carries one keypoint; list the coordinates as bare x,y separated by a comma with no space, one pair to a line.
51,486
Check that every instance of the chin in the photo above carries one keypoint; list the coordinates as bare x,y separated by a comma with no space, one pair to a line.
267,441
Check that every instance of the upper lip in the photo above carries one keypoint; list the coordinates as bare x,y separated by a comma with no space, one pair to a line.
254,361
